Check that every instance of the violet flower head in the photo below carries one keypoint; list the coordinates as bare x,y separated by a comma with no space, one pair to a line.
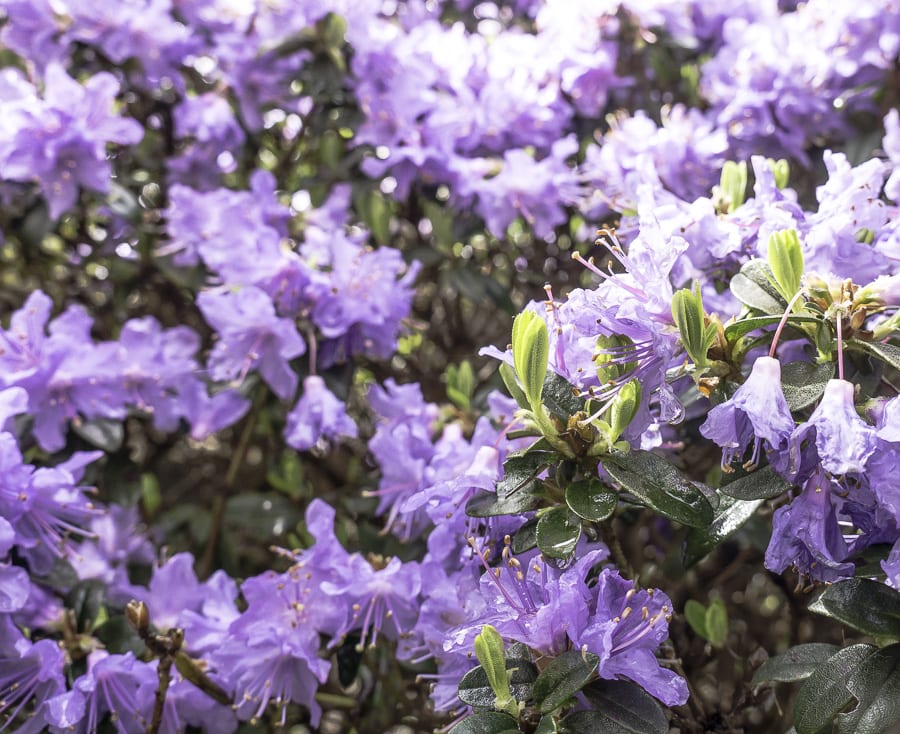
756,412
119,685
806,534
834,435
271,652
318,416
530,601
625,628
30,673
251,335
60,140
382,600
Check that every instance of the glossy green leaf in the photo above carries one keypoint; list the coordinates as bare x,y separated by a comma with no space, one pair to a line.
887,353
796,663
475,688
563,678
660,486
491,504
486,722
869,606
104,433
560,397
753,287
730,515
761,484
628,706
804,382
876,686
547,725
525,538
825,694
591,499
737,329
520,469
558,532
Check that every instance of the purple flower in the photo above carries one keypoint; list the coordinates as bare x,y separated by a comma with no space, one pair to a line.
891,145
806,534
835,435
383,600
891,566
318,415
208,414
756,412
60,140
625,628
118,685
271,652
537,190
251,336
30,673
116,543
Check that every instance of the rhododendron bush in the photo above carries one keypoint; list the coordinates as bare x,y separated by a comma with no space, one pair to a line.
516,366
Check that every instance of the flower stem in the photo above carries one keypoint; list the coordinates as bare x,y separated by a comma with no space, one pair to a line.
784,318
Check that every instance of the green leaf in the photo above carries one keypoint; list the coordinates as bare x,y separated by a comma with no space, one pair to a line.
804,382
687,311
486,722
623,409
491,653
825,694
104,433
531,350
525,538
717,623
560,397
475,688
887,353
558,532
547,725
563,678
737,329
876,686
520,469
376,212
786,261
509,379
695,614
491,504
460,384
733,183
865,605
628,706
660,486
753,287
781,170
591,499
797,663
762,484
729,517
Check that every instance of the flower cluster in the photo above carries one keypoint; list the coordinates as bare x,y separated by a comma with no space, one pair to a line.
225,224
